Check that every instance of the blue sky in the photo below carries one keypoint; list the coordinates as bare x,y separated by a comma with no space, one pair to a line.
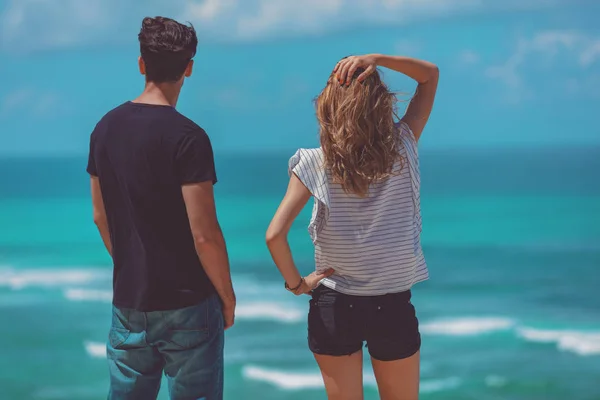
516,74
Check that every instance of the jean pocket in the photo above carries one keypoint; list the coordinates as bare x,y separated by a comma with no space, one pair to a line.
187,339
117,337
189,327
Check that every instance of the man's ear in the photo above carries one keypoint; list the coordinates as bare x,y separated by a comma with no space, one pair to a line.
142,65
189,68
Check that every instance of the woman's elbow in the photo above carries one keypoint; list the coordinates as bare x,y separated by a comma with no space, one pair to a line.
273,236
99,219
435,72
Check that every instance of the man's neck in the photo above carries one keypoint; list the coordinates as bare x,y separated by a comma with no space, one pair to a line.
161,94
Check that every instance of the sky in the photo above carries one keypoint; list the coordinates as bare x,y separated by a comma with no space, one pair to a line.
512,74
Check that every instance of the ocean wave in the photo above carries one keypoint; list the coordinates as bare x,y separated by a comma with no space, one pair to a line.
579,342
46,277
78,294
495,381
251,311
287,380
439,385
250,286
246,310
68,392
95,349
466,326
280,312
284,380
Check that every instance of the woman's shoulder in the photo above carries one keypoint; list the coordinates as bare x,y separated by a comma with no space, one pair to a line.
405,131
407,139
316,152
311,158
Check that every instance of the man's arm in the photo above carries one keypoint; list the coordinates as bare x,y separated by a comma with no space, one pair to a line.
100,213
210,243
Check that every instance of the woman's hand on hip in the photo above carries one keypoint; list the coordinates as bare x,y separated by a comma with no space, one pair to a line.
312,281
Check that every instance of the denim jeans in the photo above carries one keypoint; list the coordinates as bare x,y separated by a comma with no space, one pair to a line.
185,344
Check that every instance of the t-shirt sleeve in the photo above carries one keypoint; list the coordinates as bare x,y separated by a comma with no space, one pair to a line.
91,165
306,164
194,160
409,139
406,131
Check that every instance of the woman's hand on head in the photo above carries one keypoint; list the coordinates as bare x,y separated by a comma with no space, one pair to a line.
345,69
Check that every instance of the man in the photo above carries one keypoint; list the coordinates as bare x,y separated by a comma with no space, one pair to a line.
152,175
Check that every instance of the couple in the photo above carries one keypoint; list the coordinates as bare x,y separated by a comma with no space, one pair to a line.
152,175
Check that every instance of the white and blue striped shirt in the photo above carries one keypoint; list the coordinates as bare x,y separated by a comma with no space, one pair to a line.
372,243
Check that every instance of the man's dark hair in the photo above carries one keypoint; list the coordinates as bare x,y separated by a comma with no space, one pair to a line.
166,46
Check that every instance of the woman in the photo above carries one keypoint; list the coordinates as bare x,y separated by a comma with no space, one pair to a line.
365,226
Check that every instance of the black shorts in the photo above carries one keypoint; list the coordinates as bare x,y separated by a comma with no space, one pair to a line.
339,324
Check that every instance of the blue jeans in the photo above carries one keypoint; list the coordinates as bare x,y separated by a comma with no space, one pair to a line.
187,344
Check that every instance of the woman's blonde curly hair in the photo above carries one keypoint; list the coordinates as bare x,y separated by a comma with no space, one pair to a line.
358,135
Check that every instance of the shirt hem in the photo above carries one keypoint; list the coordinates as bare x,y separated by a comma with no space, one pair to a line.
332,285
168,307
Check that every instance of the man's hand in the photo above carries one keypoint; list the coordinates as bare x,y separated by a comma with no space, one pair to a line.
228,315
345,69
311,281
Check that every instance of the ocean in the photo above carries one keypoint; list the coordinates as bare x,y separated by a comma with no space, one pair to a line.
511,311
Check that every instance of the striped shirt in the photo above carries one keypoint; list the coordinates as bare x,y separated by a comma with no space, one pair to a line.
372,243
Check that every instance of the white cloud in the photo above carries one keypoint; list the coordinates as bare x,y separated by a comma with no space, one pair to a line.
469,57
584,47
208,10
551,41
247,97
590,54
288,15
31,102
14,100
588,86
408,47
508,71
557,48
51,23
27,25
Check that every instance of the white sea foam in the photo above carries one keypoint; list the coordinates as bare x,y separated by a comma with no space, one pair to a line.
439,385
78,294
251,287
287,380
467,326
579,342
95,349
68,392
288,313
46,277
284,380
495,381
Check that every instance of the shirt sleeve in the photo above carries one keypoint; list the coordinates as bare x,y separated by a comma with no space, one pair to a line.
307,165
91,165
194,160
406,131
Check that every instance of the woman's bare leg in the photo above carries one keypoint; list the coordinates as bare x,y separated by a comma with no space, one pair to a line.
399,379
342,376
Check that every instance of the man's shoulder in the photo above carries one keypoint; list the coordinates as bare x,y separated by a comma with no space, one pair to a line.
116,111
189,127
107,118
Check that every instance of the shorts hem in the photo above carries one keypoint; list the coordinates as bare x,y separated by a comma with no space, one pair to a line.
333,353
402,356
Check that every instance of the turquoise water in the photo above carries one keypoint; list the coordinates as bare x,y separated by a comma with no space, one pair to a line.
511,310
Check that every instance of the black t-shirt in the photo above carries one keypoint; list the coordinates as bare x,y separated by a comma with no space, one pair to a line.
142,155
